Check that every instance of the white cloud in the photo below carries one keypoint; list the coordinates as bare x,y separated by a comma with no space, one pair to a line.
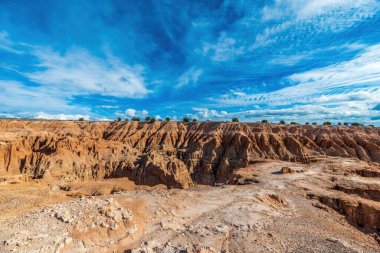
287,18
101,118
312,111
268,35
343,112
361,74
225,49
301,9
78,72
239,93
372,96
82,73
130,112
354,106
42,115
346,90
6,44
7,115
318,7
18,97
191,76
292,59
288,60
204,113
346,111
60,77
109,106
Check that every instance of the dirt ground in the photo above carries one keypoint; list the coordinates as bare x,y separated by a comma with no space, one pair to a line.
330,205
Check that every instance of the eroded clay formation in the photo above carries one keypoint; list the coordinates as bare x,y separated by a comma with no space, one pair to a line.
169,153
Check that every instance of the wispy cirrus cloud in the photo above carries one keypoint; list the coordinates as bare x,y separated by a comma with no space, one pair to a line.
335,9
109,106
60,77
19,97
225,49
6,44
363,69
361,73
83,73
288,20
347,89
190,77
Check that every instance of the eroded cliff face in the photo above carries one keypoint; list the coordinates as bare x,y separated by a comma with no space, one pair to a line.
170,153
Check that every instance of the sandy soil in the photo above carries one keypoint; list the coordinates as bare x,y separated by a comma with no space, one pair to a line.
267,212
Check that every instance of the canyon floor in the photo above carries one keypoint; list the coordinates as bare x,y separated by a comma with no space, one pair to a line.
328,205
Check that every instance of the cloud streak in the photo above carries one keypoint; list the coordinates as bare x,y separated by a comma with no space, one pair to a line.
81,72
362,73
6,44
190,77
60,77
20,97
42,115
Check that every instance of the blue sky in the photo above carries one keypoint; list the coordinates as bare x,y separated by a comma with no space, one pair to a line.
296,60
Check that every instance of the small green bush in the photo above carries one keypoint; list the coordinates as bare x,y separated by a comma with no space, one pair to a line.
293,123
195,120
126,119
307,123
119,119
282,122
147,119
314,123
235,120
339,123
167,119
152,120
264,121
356,124
327,123
345,123
186,120
135,119
81,119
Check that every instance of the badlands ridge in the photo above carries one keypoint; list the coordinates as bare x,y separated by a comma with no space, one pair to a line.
169,153
70,186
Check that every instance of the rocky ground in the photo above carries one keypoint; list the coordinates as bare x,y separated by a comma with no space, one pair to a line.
328,205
